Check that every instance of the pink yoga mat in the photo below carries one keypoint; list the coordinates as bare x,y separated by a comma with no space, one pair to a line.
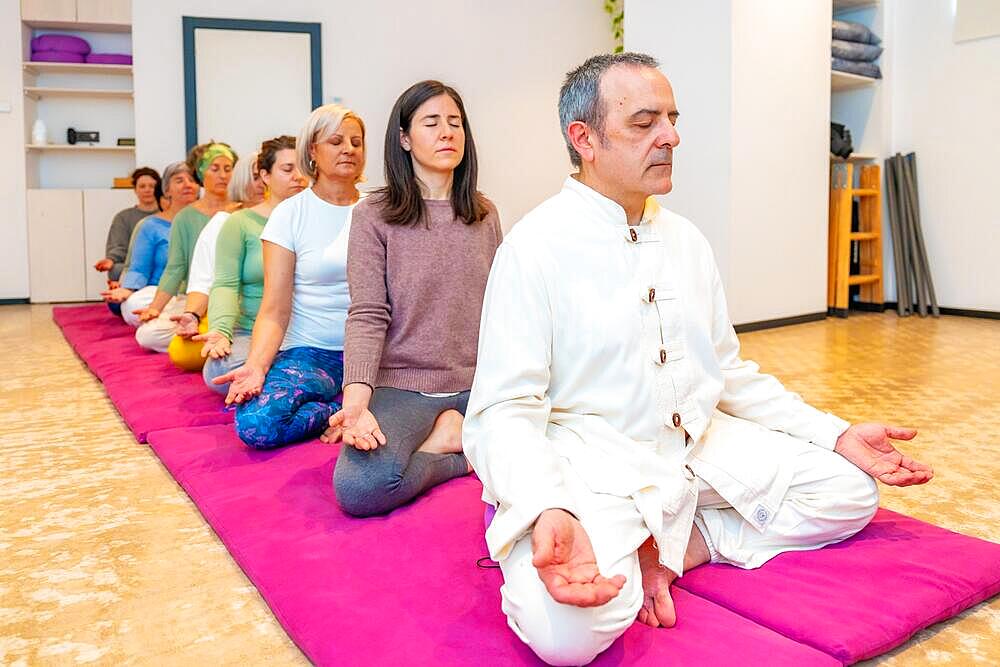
406,589
864,596
149,392
402,589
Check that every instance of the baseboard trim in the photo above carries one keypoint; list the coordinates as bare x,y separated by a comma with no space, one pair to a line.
873,307
780,322
966,312
958,312
13,302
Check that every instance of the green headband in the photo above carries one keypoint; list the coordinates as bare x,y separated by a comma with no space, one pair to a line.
213,151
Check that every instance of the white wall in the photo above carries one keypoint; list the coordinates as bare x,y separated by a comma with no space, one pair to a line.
780,159
752,82
507,59
945,101
13,221
693,42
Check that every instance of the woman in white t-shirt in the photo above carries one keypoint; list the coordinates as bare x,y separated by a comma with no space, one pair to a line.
291,382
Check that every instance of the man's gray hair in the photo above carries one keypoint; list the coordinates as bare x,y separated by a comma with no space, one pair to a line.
580,95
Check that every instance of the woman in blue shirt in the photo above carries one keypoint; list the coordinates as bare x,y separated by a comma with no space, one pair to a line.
148,255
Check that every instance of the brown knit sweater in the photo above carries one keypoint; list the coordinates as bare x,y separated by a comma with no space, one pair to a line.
416,298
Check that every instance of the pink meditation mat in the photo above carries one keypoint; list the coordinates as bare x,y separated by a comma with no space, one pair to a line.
149,392
406,589
403,589
864,596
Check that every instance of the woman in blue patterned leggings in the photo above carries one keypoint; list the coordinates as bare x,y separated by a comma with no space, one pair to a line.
291,382
296,401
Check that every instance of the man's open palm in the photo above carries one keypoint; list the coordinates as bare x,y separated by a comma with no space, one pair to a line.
566,563
869,447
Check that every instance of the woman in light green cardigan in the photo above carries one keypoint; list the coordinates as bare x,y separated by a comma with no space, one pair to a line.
212,166
239,267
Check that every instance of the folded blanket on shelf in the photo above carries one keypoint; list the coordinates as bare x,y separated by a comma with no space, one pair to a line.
855,51
854,67
851,31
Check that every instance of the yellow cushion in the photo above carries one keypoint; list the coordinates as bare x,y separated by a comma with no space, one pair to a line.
186,353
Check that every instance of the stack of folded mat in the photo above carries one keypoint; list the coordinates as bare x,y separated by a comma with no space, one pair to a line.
855,49
53,48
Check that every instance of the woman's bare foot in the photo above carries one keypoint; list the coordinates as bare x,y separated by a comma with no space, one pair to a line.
657,605
446,436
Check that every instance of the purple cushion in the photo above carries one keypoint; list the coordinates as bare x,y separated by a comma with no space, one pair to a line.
322,572
864,596
57,57
110,58
70,43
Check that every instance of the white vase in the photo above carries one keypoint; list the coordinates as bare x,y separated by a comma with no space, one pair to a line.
39,133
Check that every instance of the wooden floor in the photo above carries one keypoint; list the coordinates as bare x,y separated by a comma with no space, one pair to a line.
104,560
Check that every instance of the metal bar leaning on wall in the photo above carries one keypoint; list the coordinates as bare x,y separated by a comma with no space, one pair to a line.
897,255
904,289
911,237
910,171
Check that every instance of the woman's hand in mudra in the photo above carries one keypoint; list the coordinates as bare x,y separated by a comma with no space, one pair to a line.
216,345
356,426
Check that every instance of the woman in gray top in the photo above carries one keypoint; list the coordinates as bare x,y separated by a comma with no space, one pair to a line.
148,190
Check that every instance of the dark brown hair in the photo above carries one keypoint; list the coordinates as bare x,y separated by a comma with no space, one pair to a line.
400,199
153,174
269,151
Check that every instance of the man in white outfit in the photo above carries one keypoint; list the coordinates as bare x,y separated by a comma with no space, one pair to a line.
614,426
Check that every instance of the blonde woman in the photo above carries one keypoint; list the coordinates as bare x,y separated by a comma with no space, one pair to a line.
292,377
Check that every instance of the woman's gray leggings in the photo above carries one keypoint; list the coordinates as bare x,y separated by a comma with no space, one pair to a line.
378,481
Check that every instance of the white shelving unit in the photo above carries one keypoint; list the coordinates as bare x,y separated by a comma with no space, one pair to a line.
79,148
70,199
863,105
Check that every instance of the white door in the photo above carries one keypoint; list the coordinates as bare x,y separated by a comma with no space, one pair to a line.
55,245
99,209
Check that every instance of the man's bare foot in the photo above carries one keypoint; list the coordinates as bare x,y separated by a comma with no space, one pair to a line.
446,436
657,605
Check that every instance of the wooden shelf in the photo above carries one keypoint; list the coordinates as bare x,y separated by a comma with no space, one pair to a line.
855,157
35,92
841,6
81,27
80,148
843,81
863,236
863,280
75,68
864,192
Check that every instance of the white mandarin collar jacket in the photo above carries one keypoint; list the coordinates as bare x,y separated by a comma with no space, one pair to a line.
610,346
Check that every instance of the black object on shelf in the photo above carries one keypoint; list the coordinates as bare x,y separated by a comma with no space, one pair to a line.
126,141
75,136
840,141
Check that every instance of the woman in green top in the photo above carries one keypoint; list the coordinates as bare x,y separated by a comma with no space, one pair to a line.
239,267
212,166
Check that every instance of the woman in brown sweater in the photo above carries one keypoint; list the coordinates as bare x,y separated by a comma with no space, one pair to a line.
418,258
